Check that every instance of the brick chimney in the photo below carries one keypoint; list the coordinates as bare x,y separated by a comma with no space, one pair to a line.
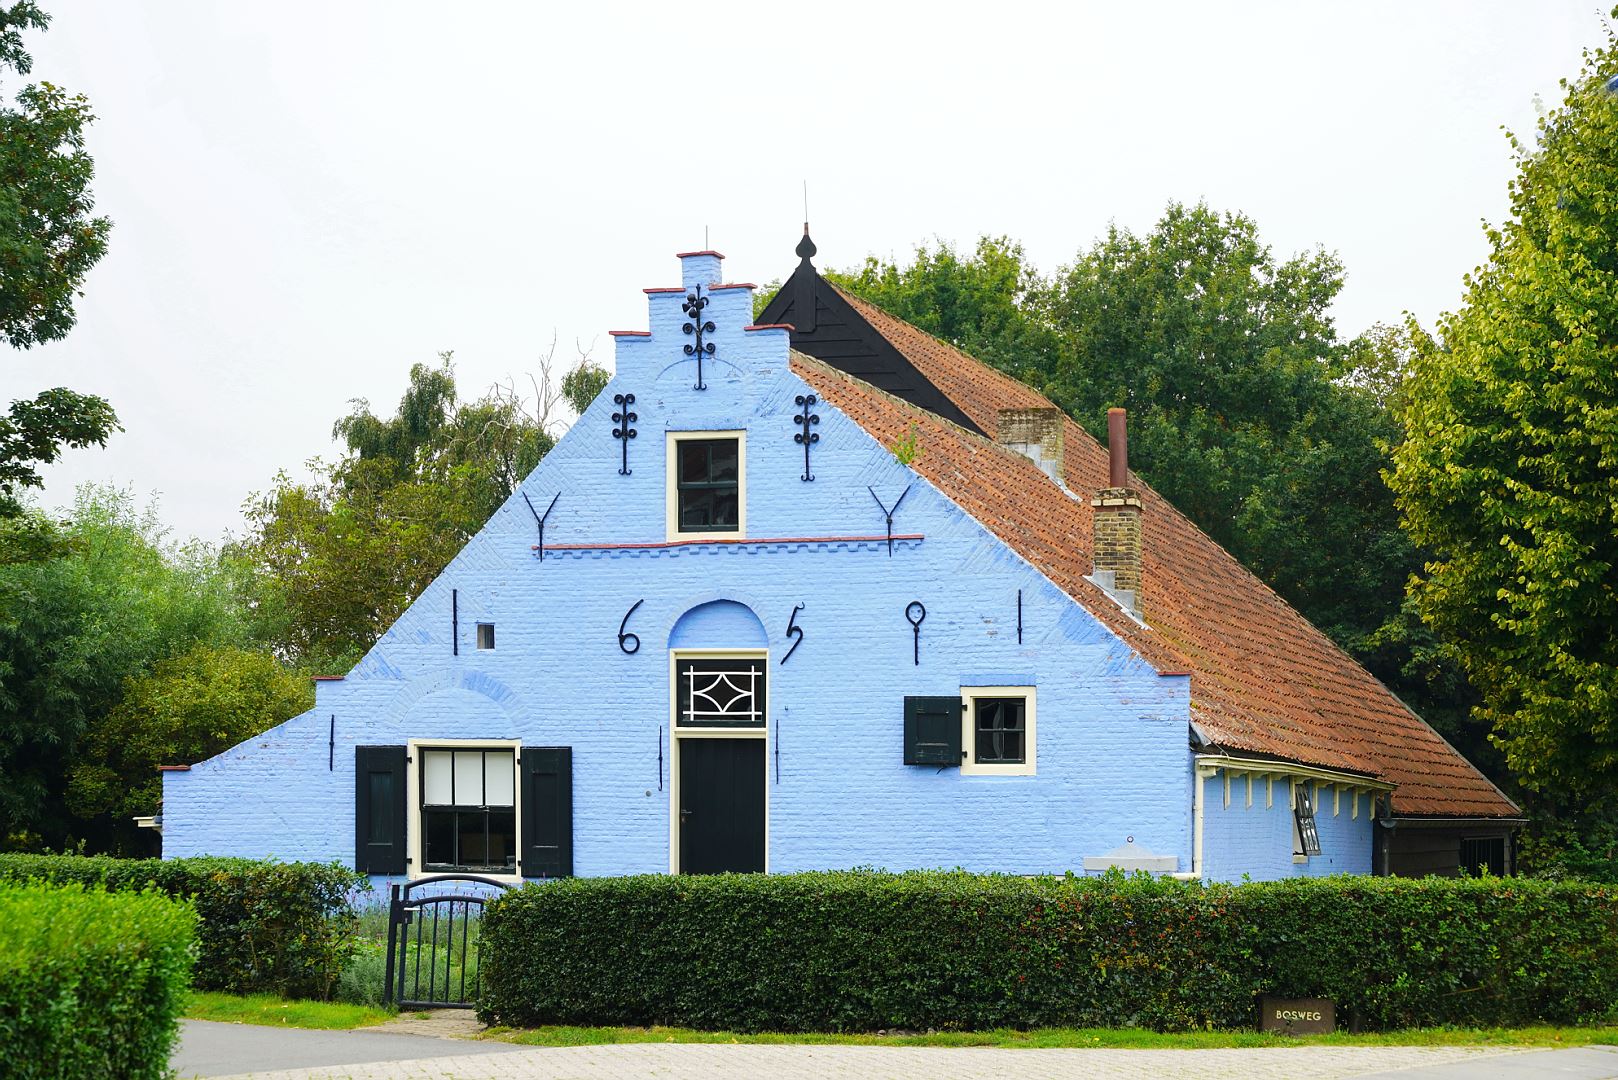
1036,434
1117,521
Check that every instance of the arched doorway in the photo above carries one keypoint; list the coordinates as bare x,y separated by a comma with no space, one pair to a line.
719,717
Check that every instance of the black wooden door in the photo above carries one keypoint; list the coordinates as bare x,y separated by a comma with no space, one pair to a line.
721,806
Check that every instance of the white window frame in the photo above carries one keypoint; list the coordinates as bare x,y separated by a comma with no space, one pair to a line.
416,839
671,500
679,734
969,742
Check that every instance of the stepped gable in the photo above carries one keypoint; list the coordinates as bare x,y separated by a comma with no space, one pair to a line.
1264,681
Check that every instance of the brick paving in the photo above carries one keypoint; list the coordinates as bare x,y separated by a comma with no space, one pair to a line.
701,1061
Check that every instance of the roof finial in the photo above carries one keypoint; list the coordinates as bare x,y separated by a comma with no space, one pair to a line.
806,247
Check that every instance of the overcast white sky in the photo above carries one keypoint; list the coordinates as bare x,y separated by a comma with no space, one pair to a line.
309,197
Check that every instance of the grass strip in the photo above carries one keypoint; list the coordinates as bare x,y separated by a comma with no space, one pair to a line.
272,1011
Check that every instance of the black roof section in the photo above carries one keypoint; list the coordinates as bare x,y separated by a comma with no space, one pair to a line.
826,327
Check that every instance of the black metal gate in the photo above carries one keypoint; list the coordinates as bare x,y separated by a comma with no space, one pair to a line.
436,965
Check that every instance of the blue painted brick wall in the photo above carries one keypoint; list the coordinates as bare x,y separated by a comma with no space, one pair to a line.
1257,840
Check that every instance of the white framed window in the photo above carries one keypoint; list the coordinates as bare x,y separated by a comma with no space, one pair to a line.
707,485
464,813
1305,833
997,731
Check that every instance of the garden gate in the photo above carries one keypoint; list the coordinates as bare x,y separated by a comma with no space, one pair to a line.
433,968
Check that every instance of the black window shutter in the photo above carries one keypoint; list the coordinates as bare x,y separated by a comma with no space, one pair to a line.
379,809
547,811
933,730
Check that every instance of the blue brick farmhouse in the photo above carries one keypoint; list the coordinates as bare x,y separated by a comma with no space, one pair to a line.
824,592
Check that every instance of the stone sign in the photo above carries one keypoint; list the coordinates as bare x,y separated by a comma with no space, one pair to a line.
1296,1016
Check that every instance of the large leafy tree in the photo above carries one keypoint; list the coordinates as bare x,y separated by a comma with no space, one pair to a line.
84,606
1509,474
341,555
186,708
48,243
1246,408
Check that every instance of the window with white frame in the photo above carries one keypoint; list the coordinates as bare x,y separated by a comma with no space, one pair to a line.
707,494
719,691
1305,833
997,730
469,809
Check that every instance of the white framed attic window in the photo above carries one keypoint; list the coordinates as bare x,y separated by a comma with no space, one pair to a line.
997,731
706,485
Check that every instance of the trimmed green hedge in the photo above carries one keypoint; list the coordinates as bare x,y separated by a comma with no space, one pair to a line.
91,984
861,951
265,927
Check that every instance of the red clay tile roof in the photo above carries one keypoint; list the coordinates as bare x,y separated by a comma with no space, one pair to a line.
1264,681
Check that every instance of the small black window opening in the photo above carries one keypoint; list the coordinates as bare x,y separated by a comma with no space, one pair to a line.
469,810
1483,853
1307,836
485,635
708,485
1000,733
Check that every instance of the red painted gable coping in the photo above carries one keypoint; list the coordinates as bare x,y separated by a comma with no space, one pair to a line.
771,326
629,333
733,285
174,768
688,254
671,288
328,678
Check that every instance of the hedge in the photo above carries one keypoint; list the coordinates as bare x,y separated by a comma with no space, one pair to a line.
861,951
264,927
91,984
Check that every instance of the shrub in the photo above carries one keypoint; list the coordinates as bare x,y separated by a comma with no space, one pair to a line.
859,951
91,984
264,927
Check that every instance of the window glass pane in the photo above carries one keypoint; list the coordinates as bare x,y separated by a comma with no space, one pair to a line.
438,838
693,461
468,778
1000,734
503,839
500,778
435,773
721,693
379,829
722,460
485,635
470,826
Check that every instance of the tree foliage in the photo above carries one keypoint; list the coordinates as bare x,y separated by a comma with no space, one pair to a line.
48,238
1510,471
186,708
84,606
1247,410
48,242
341,555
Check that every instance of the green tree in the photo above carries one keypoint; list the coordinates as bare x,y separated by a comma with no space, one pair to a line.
339,557
185,709
48,242
85,605
1509,473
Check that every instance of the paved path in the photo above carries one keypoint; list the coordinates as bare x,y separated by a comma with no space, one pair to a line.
685,1061
210,1049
